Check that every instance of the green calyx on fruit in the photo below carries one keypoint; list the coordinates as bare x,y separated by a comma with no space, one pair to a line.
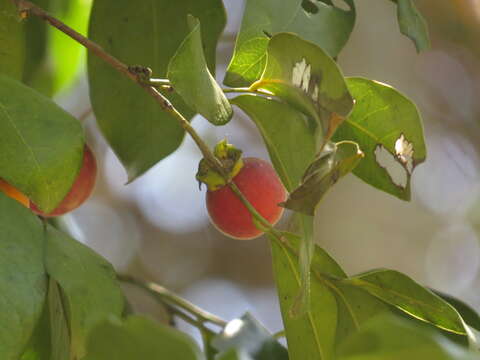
231,159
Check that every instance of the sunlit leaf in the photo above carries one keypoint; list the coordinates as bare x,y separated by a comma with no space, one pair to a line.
468,314
190,77
146,33
318,21
309,80
67,55
402,292
388,128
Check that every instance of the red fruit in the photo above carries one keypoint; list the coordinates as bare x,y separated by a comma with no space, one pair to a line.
11,191
81,188
259,183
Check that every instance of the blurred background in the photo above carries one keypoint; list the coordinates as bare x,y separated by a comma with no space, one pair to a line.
157,227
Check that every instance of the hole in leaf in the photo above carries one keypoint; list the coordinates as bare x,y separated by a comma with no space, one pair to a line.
404,152
398,174
309,7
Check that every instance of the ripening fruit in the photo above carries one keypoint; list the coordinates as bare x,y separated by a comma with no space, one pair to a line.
259,183
11,191
81,188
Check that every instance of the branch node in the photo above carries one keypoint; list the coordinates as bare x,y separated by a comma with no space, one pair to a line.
142,73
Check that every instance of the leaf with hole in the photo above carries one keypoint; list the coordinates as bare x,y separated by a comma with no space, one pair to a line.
88,282
388,128
321,22
41,145
191,79
139,338
146,33
309,80
335,161
23,282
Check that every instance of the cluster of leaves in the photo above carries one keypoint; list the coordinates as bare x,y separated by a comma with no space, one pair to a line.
61,301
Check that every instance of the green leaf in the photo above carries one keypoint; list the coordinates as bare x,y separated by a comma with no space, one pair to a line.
23,284
12,43
285,132
250,337
41,145
88,282
334,162
189,75
327,26
291,146
412,24
308,79
392,338
146,33
36,40
58,323
388,128
139,338
402,292
233,354
312,334
469,315
38,347
354,306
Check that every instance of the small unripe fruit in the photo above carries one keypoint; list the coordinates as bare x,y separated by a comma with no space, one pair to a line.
81,188
259,183
11,191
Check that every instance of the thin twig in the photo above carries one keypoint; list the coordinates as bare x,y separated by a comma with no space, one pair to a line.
170,297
